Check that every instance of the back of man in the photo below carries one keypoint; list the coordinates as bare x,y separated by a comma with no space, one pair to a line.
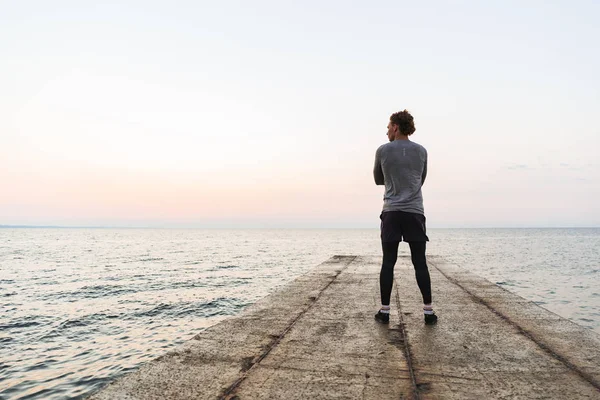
401,166
404,165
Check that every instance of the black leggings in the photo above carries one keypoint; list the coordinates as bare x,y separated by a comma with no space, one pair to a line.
386,277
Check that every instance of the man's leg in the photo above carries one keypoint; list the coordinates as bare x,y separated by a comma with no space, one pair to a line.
386,276
417,254
386,279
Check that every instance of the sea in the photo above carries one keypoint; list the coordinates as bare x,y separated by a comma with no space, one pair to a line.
81,307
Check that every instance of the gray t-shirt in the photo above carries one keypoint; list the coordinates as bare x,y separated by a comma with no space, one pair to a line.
401,166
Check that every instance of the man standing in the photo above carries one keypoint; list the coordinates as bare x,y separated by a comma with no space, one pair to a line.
401,166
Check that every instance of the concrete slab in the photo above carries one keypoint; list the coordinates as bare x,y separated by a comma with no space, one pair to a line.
483,345
316,339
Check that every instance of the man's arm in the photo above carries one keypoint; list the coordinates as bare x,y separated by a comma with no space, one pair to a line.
424,173
377,171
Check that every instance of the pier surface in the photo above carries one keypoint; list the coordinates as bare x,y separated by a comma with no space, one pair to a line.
316,339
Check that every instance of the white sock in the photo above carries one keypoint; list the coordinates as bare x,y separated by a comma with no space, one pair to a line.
384,309
427,309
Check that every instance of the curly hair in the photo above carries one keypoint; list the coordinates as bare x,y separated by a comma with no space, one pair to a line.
405,122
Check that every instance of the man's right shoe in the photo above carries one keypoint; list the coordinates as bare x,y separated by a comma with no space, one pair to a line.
430,319
382,318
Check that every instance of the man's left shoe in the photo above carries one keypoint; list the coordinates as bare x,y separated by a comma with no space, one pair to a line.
382,318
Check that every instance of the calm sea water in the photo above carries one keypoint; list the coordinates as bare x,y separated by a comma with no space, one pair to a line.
79,307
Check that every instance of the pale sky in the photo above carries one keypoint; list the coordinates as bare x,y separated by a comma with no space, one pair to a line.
268,113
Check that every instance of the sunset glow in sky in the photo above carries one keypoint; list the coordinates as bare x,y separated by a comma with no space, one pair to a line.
268,113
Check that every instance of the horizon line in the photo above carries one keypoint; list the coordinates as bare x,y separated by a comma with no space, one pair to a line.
273,228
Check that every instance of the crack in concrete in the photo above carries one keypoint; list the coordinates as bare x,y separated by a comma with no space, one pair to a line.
406,347
585,376
229,393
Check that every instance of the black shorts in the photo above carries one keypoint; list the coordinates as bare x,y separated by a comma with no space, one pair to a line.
398,226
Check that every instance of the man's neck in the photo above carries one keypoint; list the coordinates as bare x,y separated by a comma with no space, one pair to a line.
400,136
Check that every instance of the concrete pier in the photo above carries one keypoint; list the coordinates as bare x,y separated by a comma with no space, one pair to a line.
316,339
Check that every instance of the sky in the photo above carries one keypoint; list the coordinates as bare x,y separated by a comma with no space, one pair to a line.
236,114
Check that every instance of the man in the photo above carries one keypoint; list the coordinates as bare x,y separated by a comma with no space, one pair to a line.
401,166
